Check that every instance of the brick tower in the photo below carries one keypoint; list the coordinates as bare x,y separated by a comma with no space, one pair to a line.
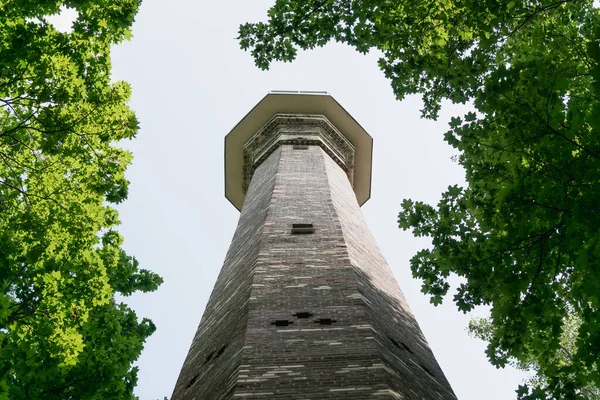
305,306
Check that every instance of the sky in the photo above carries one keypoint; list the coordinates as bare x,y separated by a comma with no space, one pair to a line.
191,85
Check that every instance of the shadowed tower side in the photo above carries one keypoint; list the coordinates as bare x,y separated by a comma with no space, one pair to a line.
305,306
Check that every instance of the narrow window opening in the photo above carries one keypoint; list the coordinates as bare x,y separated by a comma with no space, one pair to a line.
303,314
209,357
325,321
300,147
194,379
401,345
299,229
405,347
282,322
427,370
221,350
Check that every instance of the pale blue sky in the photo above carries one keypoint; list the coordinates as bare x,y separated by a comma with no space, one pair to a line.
191,85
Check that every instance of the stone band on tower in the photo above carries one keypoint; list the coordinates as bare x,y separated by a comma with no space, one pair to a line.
305,306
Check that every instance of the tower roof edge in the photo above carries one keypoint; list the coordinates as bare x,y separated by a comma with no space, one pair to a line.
296,102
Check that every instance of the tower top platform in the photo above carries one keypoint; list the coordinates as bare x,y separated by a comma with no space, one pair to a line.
300,103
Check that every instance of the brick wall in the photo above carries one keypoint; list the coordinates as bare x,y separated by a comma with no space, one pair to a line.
310,316
306,274
211,366
413,371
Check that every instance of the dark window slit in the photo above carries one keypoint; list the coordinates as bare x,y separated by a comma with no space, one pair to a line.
427,370
405,347
325,321
282,322
401,345
299,229
209,357
303,314
221,350
300,147
194,379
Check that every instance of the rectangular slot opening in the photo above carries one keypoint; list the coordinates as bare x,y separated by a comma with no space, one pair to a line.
325,321
191,383
300,229
300,147
303,314
282,322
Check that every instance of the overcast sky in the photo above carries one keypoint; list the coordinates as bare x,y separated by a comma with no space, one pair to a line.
191,85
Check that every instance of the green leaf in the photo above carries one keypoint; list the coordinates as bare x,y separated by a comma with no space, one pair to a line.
61,260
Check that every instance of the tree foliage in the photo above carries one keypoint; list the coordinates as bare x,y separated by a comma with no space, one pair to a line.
62,334
523,234
482,328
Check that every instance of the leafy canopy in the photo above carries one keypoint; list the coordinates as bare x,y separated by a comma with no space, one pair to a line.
62,334
482,328
523,234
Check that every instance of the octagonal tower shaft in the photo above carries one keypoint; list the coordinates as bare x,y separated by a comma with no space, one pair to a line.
305,306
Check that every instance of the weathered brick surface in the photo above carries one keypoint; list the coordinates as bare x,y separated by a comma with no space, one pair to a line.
311,274
206,374
413,371
313,316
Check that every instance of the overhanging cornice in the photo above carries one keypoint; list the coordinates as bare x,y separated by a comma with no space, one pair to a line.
318,103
